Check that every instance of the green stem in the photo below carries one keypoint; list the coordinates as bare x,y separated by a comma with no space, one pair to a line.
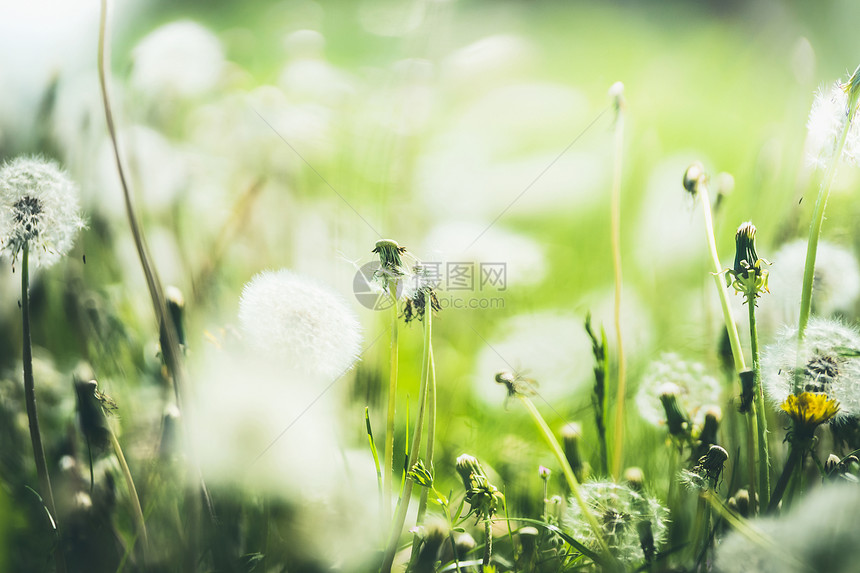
717,271
752,432
375,458
617,450
488,543
570,477
392,400
815,233
137,512
793,461
760,413
403,502
32,416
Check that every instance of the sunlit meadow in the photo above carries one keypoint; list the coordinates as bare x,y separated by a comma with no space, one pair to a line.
429,286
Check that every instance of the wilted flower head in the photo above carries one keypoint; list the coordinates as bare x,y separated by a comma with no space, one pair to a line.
830,363
39,207
707,471
696,390
833,111
819,534
620,511
301,322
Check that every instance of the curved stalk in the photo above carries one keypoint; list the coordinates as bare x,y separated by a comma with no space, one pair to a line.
137,512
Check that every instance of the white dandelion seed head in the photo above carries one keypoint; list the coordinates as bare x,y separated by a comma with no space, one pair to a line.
39,206
299,322
619,510
181,59
819,534
830,359
827,119
696,389
836,286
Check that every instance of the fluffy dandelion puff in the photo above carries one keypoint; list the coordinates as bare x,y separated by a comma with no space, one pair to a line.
830,111
696,390
830,360
819,534
39,206
621,512
300,322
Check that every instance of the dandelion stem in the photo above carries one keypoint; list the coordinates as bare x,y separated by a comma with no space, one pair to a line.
32,416
795,455
488,543
392,401
814,234
570,477
760,414
616,265
731,327
403,502
137,512
752,432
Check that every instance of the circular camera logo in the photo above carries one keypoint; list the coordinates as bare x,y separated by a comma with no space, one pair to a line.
367,286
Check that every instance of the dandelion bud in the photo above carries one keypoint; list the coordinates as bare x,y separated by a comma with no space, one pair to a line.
176,309
708,435
745,255
740,502
91,415
434,534
635,478
467,466
676,418
747,390
390,261
528,540
463,545
571,437
421,475
169,446
39,208
693,177
483,497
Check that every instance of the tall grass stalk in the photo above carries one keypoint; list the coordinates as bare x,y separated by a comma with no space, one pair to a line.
32,415
392,403
617,451
412,457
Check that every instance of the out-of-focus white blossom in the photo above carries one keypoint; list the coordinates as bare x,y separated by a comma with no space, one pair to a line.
829,114
695,388
300,323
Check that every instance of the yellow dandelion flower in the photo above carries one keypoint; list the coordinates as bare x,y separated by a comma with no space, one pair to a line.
810,409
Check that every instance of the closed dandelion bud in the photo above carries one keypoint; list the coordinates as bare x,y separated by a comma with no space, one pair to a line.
740,502
39,208
693,177
176,309
390,261
747,276
467,466
571,437
528,537
676,418
463,545
433,535
169,446
91,414
635,478
747,390
708,435
421,475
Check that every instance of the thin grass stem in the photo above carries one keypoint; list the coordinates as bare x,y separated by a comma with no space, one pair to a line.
618,447
392,402
137,512
760,414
